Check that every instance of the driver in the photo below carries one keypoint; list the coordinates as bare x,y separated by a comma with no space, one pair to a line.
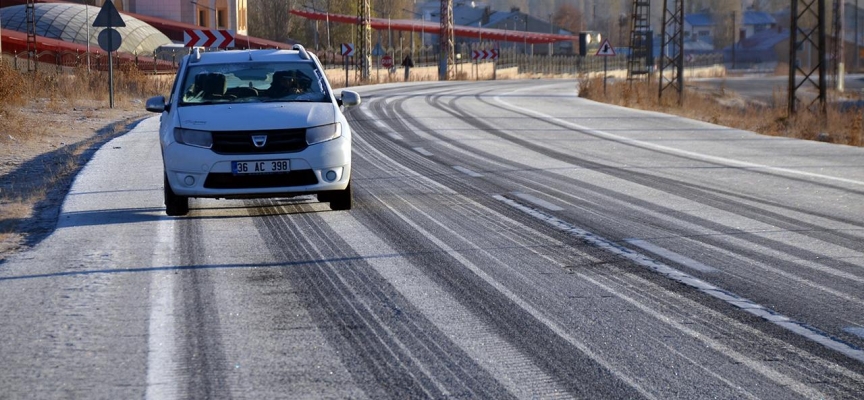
284,83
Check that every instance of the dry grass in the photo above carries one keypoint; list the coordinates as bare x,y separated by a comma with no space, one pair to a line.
48,120
723,107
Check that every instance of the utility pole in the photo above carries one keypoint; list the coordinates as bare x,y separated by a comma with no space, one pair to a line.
88,23
31,35
365,20
839,46
734,37
807,28
672,49
446,61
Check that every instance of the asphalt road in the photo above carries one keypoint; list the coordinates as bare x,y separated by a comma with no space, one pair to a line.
509,240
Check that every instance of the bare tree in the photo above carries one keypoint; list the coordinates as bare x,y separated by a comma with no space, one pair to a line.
270,19
569,18
727,17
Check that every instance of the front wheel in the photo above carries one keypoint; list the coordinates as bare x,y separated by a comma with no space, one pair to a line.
341,200
175,205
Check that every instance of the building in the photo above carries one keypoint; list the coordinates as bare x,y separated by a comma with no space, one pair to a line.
701,26
477,14
212,14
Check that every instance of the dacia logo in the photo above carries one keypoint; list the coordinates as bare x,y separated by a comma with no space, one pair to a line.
259,140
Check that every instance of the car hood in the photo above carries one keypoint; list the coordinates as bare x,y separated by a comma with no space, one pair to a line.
256,116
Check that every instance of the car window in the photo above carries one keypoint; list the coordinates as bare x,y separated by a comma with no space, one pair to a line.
253,82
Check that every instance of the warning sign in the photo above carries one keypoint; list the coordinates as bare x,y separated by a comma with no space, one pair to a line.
605,49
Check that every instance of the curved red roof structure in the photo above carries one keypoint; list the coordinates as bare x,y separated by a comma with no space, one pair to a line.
411,25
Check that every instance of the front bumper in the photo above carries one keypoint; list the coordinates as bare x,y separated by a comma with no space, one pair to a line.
197,172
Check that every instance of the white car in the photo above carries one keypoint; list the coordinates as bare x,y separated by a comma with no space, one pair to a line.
254,124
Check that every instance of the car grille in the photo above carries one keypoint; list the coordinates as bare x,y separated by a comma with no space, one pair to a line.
301,177
278,141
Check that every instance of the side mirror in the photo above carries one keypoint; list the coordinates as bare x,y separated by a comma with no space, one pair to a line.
155,104
349,98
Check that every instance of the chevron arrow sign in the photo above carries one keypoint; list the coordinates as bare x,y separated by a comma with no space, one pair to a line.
208,38
484,54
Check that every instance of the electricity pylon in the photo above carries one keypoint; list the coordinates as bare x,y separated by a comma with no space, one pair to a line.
672,49
807,29
640,40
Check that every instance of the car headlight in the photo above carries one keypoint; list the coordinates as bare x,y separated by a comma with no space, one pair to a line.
194,138
323,133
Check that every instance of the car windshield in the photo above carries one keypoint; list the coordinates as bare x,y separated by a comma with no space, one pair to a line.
253,82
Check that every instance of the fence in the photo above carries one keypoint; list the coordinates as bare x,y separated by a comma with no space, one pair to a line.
510,59
160,61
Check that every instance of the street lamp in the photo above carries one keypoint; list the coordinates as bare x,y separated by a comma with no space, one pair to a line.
518,18
422,29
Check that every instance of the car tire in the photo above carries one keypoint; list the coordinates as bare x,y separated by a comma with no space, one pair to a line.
341,200
175,205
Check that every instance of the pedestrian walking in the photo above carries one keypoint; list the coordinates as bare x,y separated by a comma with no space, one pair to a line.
407,63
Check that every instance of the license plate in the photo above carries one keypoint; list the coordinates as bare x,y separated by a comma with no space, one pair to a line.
259,167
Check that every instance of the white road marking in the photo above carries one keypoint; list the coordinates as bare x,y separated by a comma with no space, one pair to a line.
678,258
423,151
537,201
395,136
467,171
855,330
559,330
161,349
749,306
506,362
654,146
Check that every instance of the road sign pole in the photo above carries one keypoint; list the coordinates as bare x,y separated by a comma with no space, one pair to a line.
346,71
110,79
605,63
109,18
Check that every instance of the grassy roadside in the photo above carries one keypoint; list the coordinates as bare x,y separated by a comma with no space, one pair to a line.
50,123
725,108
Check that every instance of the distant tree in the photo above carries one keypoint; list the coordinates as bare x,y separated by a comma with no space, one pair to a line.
330,35
393,9
569,18
727,17
270,19
770,5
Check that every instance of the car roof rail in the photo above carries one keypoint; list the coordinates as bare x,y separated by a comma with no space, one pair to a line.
303,54
196,54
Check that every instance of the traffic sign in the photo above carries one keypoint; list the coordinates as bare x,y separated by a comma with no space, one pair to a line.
387,61
347,49
605,49
208,38
378,51
109,39
108,17
484,54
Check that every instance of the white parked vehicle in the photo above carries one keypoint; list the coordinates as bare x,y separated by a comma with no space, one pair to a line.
253,124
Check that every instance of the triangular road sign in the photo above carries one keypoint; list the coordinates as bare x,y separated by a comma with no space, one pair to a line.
605,49
378,51
108,16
